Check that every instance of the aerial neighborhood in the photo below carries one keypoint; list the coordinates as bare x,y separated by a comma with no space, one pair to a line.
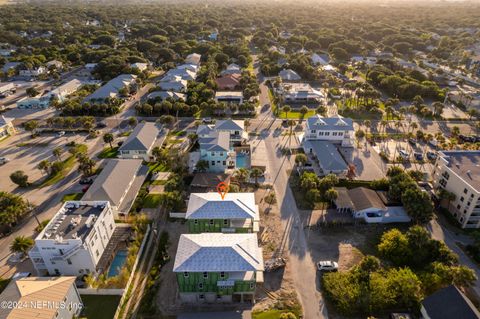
233,159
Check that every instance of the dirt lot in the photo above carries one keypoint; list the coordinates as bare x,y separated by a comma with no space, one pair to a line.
278,285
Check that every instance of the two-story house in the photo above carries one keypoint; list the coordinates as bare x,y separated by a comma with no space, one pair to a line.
234,213
140,142
329,140
74,240
216,267
215,150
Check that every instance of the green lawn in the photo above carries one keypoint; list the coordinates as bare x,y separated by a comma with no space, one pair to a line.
151,201
125,134
108,152
293,114
269,314
100,306
67,167
156,167
73,196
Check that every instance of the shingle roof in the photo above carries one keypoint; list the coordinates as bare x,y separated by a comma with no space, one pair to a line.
216,141
114,181
212,206
193,58
142,138
328,155
363,198
111,88
216,252
166,94
35,289
335,123
229,125
289,75
449,303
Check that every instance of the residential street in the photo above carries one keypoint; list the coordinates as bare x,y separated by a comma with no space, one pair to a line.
302,265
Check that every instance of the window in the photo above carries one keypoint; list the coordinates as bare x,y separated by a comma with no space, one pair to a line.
195,221
221,153
97,253
340,133
320,133
213,163
69,261
458,206
222,274
314,131
111,227
334,134
200,285
57,272
327,133
185,274
252,285
446,175
205,275
465,191
210,221
225,222
81,271
87,270
224,162
201,296
443,182
462,199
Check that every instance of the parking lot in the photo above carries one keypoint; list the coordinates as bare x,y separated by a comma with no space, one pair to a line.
24,153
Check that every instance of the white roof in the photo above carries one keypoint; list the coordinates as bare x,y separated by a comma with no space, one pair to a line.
217,252
212,206
289,75
193,58
111,88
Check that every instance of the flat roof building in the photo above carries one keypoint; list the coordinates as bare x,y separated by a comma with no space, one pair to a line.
74,240
458,172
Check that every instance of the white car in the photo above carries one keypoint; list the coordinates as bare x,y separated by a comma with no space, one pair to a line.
404,154
327,265
61,133
3,160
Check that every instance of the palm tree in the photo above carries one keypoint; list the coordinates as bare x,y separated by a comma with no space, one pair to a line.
256,173
44,166
21,244
368,125
242,175
286,109
157,153
303,111
57,152
108,138
301,159
246,123
331,195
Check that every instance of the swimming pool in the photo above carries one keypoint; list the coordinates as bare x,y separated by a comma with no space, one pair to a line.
242,161
117,263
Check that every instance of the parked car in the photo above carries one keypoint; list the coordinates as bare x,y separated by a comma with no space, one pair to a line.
327,265
61,133
85,189
433,142
207,120
404,154
86,181
3,160
418,156
412,141
19,275
431,156
101,125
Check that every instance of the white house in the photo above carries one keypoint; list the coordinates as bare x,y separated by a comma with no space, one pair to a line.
118,183
63,90
140,66
299,93
173,83
112,88
458,172
140,142
289,75
193,58
229,97
41,297
74,240
6,127
33,72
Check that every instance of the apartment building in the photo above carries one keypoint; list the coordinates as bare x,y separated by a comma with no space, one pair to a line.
74,240
459,173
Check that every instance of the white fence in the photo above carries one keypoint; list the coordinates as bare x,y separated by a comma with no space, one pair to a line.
100,291
177,215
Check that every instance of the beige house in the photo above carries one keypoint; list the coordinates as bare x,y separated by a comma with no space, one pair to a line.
6,127
41,297
458,172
